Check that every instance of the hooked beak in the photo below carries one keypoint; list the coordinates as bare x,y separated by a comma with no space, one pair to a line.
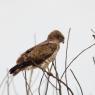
93,36
63,41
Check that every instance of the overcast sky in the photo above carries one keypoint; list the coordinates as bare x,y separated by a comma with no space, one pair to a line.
21,20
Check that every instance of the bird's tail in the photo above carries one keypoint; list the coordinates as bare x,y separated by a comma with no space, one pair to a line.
15,70
19,67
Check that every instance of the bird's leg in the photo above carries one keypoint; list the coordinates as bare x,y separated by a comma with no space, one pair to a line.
49,71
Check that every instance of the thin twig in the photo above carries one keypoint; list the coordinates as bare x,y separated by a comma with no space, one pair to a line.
57,76
92,30
3,88
94,60
40,83
77,82
47,85
66,59
11,80
60,81
50,74
30,79
4,79
56,89
77,57
48,81
27,84
8,93
52,83
34,81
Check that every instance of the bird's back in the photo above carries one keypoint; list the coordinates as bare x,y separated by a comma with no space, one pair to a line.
38,54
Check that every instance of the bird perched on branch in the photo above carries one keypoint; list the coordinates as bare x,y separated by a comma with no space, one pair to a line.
40,55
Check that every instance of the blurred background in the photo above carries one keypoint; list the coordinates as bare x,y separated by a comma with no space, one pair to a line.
23,21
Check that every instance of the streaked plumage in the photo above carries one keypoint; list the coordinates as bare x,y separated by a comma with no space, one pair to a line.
39,55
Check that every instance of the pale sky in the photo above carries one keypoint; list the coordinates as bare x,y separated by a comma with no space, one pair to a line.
20,20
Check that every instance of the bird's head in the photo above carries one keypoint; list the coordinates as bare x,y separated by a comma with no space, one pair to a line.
56,35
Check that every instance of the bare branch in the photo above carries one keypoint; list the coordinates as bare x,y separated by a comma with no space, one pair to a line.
77,57
94,60
30,79
52,83
77,82
40,83
4,79
66,59
8,93
47,85
26,83
92,30
50,74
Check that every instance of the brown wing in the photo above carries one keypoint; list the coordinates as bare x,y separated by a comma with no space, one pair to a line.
37,54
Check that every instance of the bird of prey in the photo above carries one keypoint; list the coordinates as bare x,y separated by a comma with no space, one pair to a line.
40,55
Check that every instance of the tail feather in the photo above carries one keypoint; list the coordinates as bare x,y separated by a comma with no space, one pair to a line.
14,70
19,67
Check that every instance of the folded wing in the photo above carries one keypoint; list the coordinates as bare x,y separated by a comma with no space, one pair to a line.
34,56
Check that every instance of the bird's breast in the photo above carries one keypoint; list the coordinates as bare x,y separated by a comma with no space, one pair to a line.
50,59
